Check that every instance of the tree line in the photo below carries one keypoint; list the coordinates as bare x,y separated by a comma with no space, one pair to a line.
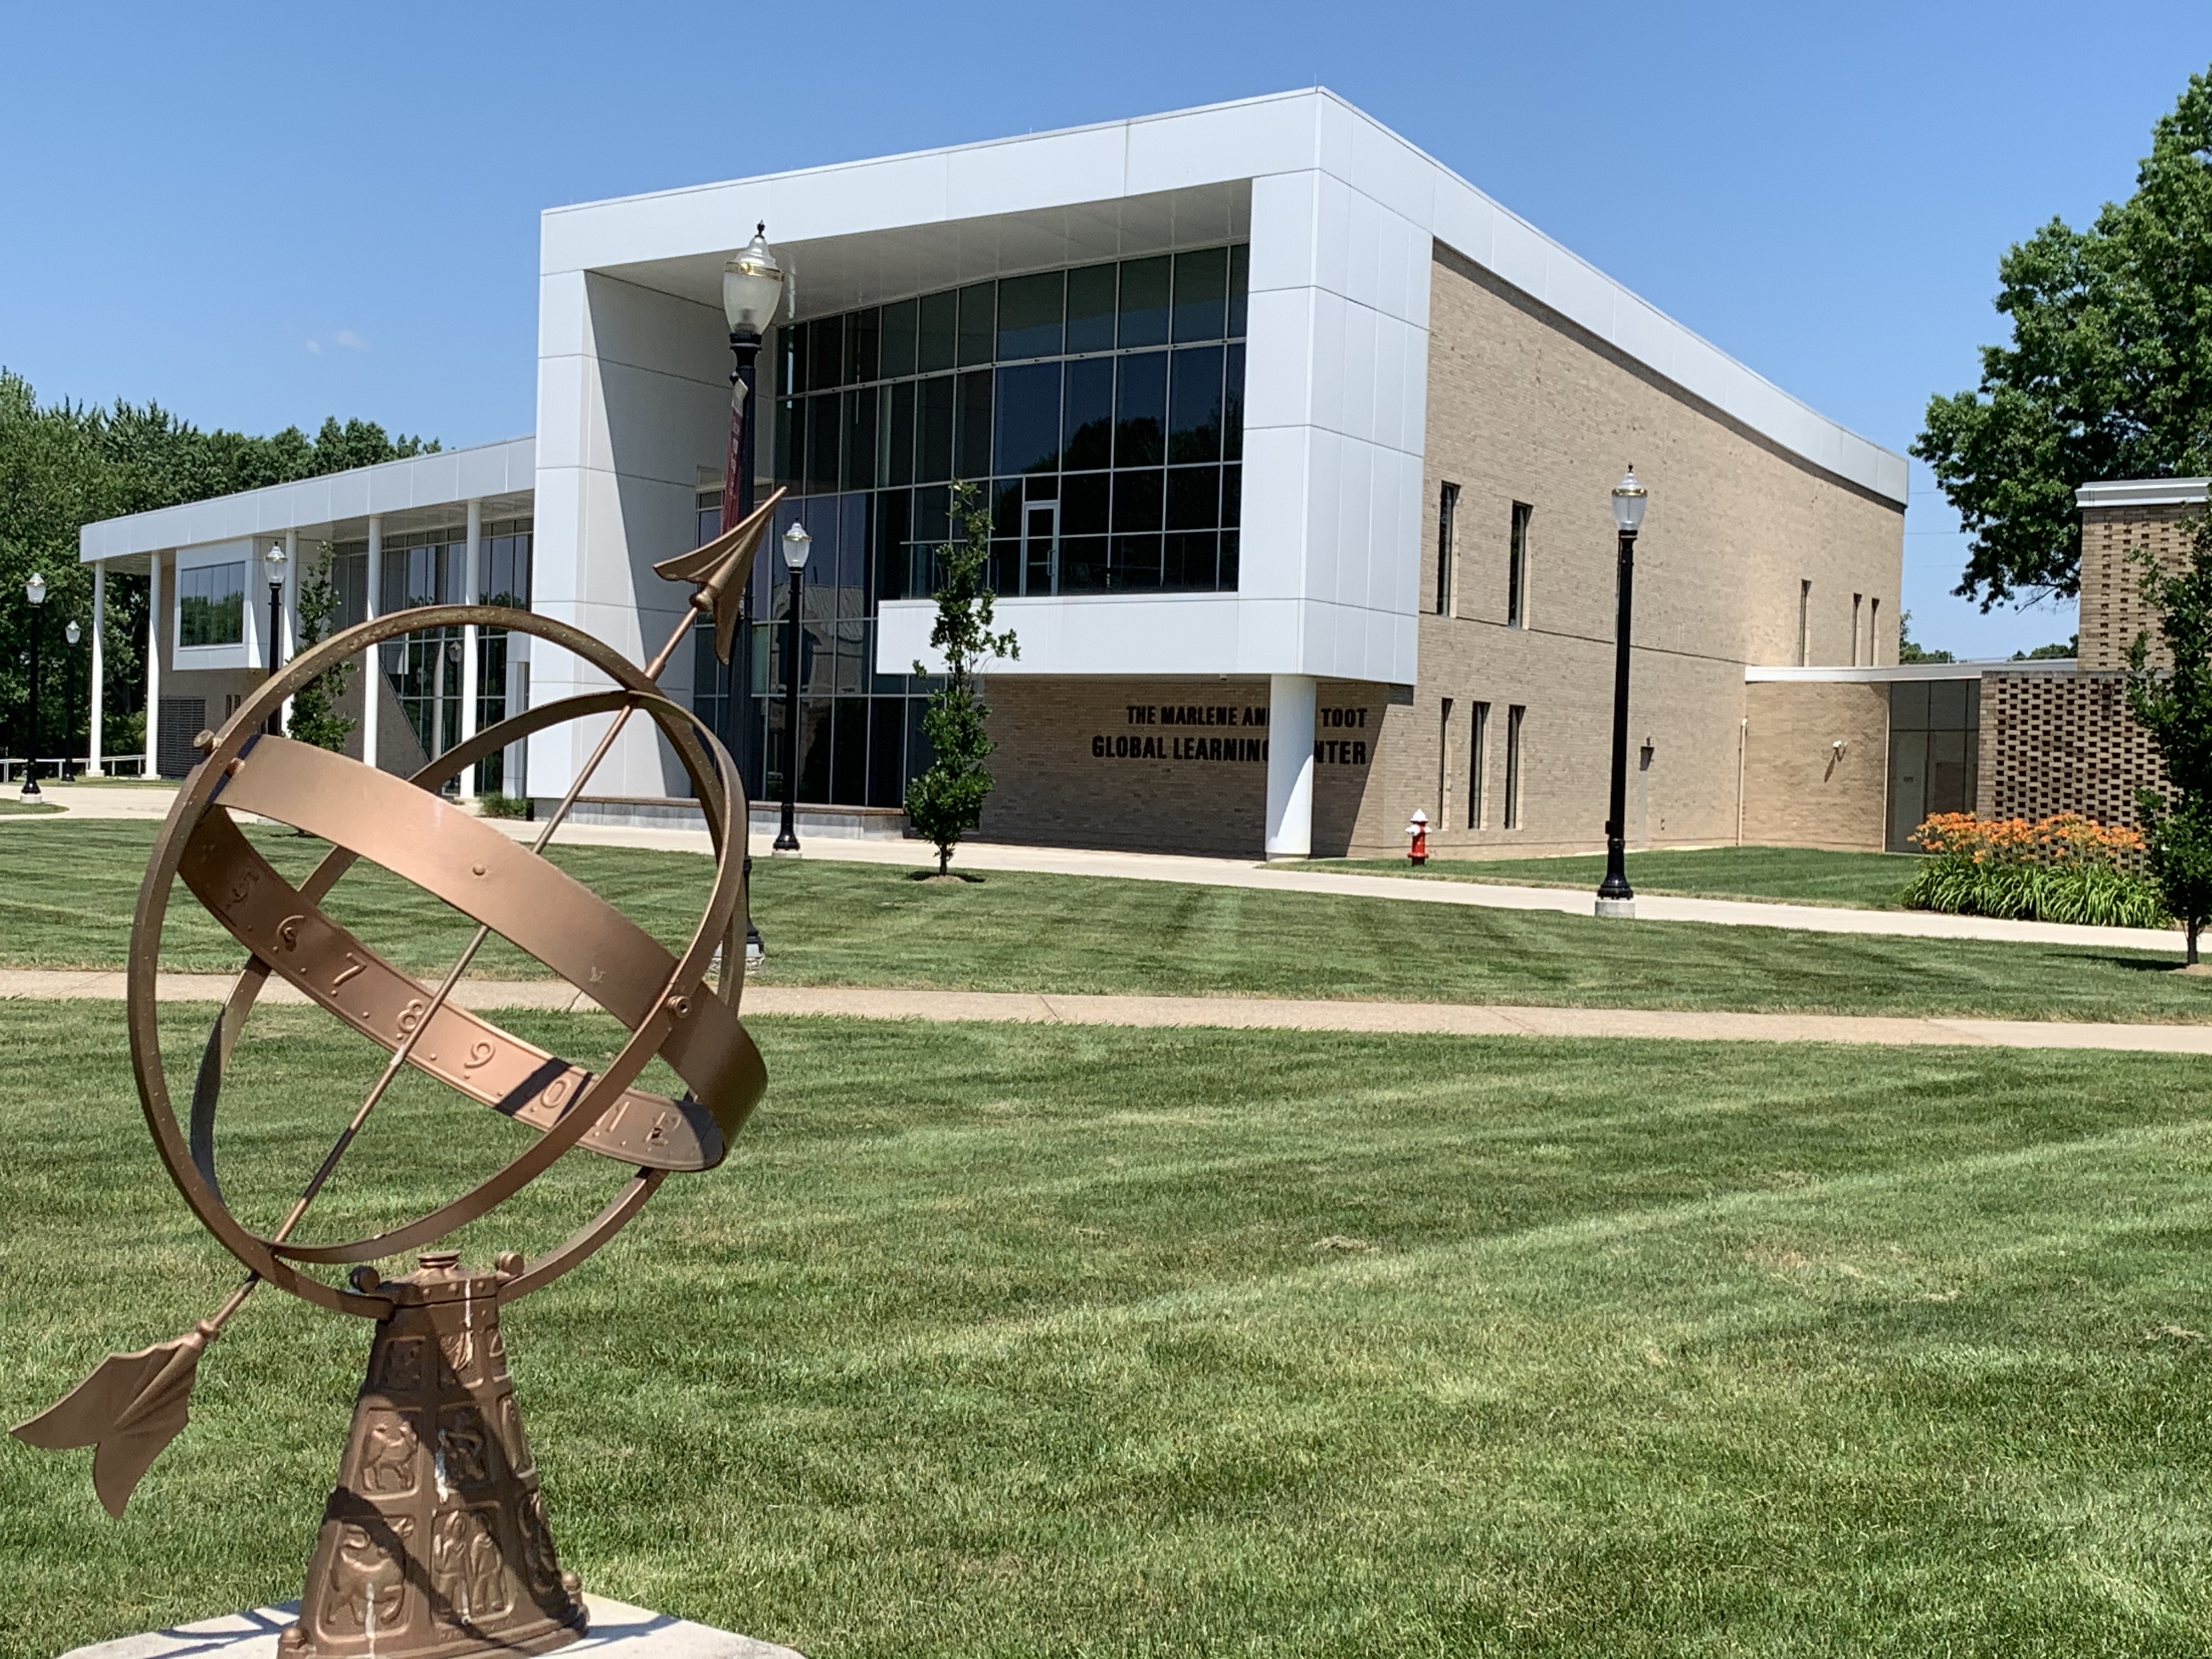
66,465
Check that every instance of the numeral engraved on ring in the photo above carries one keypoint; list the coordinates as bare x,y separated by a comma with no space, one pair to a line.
411,1016
288,932
480,1053
354,965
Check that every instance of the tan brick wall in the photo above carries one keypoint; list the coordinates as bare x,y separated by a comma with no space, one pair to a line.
1167,765
2113,608
1522,407
2061,743
1799,790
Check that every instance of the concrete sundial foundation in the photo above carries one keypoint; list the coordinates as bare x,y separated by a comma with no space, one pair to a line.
618,1631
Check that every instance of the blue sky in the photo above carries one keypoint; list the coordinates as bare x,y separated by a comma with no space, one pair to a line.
263,215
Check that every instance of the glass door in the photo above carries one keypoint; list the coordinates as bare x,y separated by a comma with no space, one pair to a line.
1040,547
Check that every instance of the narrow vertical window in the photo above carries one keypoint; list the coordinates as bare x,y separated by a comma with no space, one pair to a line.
1447,512
1515,714
1443,765
1477,761
1804,624
1516,568
1873,633
1858,601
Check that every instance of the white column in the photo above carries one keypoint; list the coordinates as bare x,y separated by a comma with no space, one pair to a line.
94,757
288,624
148,767
1290,765
472,595
369,669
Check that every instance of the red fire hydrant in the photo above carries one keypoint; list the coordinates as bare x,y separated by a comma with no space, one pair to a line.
1418,829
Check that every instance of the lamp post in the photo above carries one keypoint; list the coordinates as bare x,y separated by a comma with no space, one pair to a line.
1615,897
752,285
796,544
272,564
35,590
72,634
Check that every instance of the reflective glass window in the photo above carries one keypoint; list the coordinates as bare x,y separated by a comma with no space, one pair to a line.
1232,497
1088,421
1195,405
860,422
934,422
1140,408
1145,287
1232,404
1029,314
1028,415
825,353
973,440
1189,560
1201,294
938,343
863,332
1090,308
1193,497
823,422
1083,501
979,323
899,435
895,338
790,360
1240,265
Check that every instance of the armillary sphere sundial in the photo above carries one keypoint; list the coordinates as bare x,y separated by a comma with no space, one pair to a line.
435,1540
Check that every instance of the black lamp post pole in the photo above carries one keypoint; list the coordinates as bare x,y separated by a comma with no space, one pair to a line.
30,790
68,707
737,501
1615,885
786,839
275,726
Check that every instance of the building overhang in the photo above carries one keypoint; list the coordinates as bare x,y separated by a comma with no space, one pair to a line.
423,492
859,232
2143,492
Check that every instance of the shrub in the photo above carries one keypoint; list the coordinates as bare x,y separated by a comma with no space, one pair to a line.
502,806
2064,868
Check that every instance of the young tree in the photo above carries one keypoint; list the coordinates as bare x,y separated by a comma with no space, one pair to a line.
2108,374
2172,700
946,801
315,718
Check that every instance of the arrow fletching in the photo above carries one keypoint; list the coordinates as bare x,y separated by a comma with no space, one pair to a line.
720,569
131,1407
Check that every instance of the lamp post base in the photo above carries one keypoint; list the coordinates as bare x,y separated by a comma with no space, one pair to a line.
30,790
1613,910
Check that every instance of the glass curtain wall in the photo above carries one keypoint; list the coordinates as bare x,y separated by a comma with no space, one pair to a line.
1100,411
424,670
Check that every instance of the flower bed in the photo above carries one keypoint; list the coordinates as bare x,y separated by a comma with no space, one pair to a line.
2065,868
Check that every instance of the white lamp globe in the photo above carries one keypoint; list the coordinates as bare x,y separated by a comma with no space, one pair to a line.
752,284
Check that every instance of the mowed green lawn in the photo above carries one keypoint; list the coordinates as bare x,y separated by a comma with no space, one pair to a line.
67,888
1796,875
1082,1341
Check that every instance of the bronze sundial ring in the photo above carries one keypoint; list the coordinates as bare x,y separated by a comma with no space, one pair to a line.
656,993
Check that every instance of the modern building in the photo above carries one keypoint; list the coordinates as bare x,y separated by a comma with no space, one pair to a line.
1297,450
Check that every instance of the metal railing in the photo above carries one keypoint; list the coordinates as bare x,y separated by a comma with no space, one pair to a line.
50,767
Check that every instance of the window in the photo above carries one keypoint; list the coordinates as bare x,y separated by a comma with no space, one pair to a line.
1114,390
1515,717
1804,624
1516,568
211,604
1443,765
1477,761
1857,601
1446,511
1873,632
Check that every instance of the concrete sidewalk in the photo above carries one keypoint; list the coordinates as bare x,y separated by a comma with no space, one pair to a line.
1244,1013
141,802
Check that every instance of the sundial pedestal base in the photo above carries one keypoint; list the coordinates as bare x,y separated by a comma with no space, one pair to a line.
434,1544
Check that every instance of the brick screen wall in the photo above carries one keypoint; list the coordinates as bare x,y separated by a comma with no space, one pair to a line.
2061,743
2113,608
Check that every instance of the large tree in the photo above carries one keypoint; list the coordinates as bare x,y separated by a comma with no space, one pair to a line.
2108,374
62,466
